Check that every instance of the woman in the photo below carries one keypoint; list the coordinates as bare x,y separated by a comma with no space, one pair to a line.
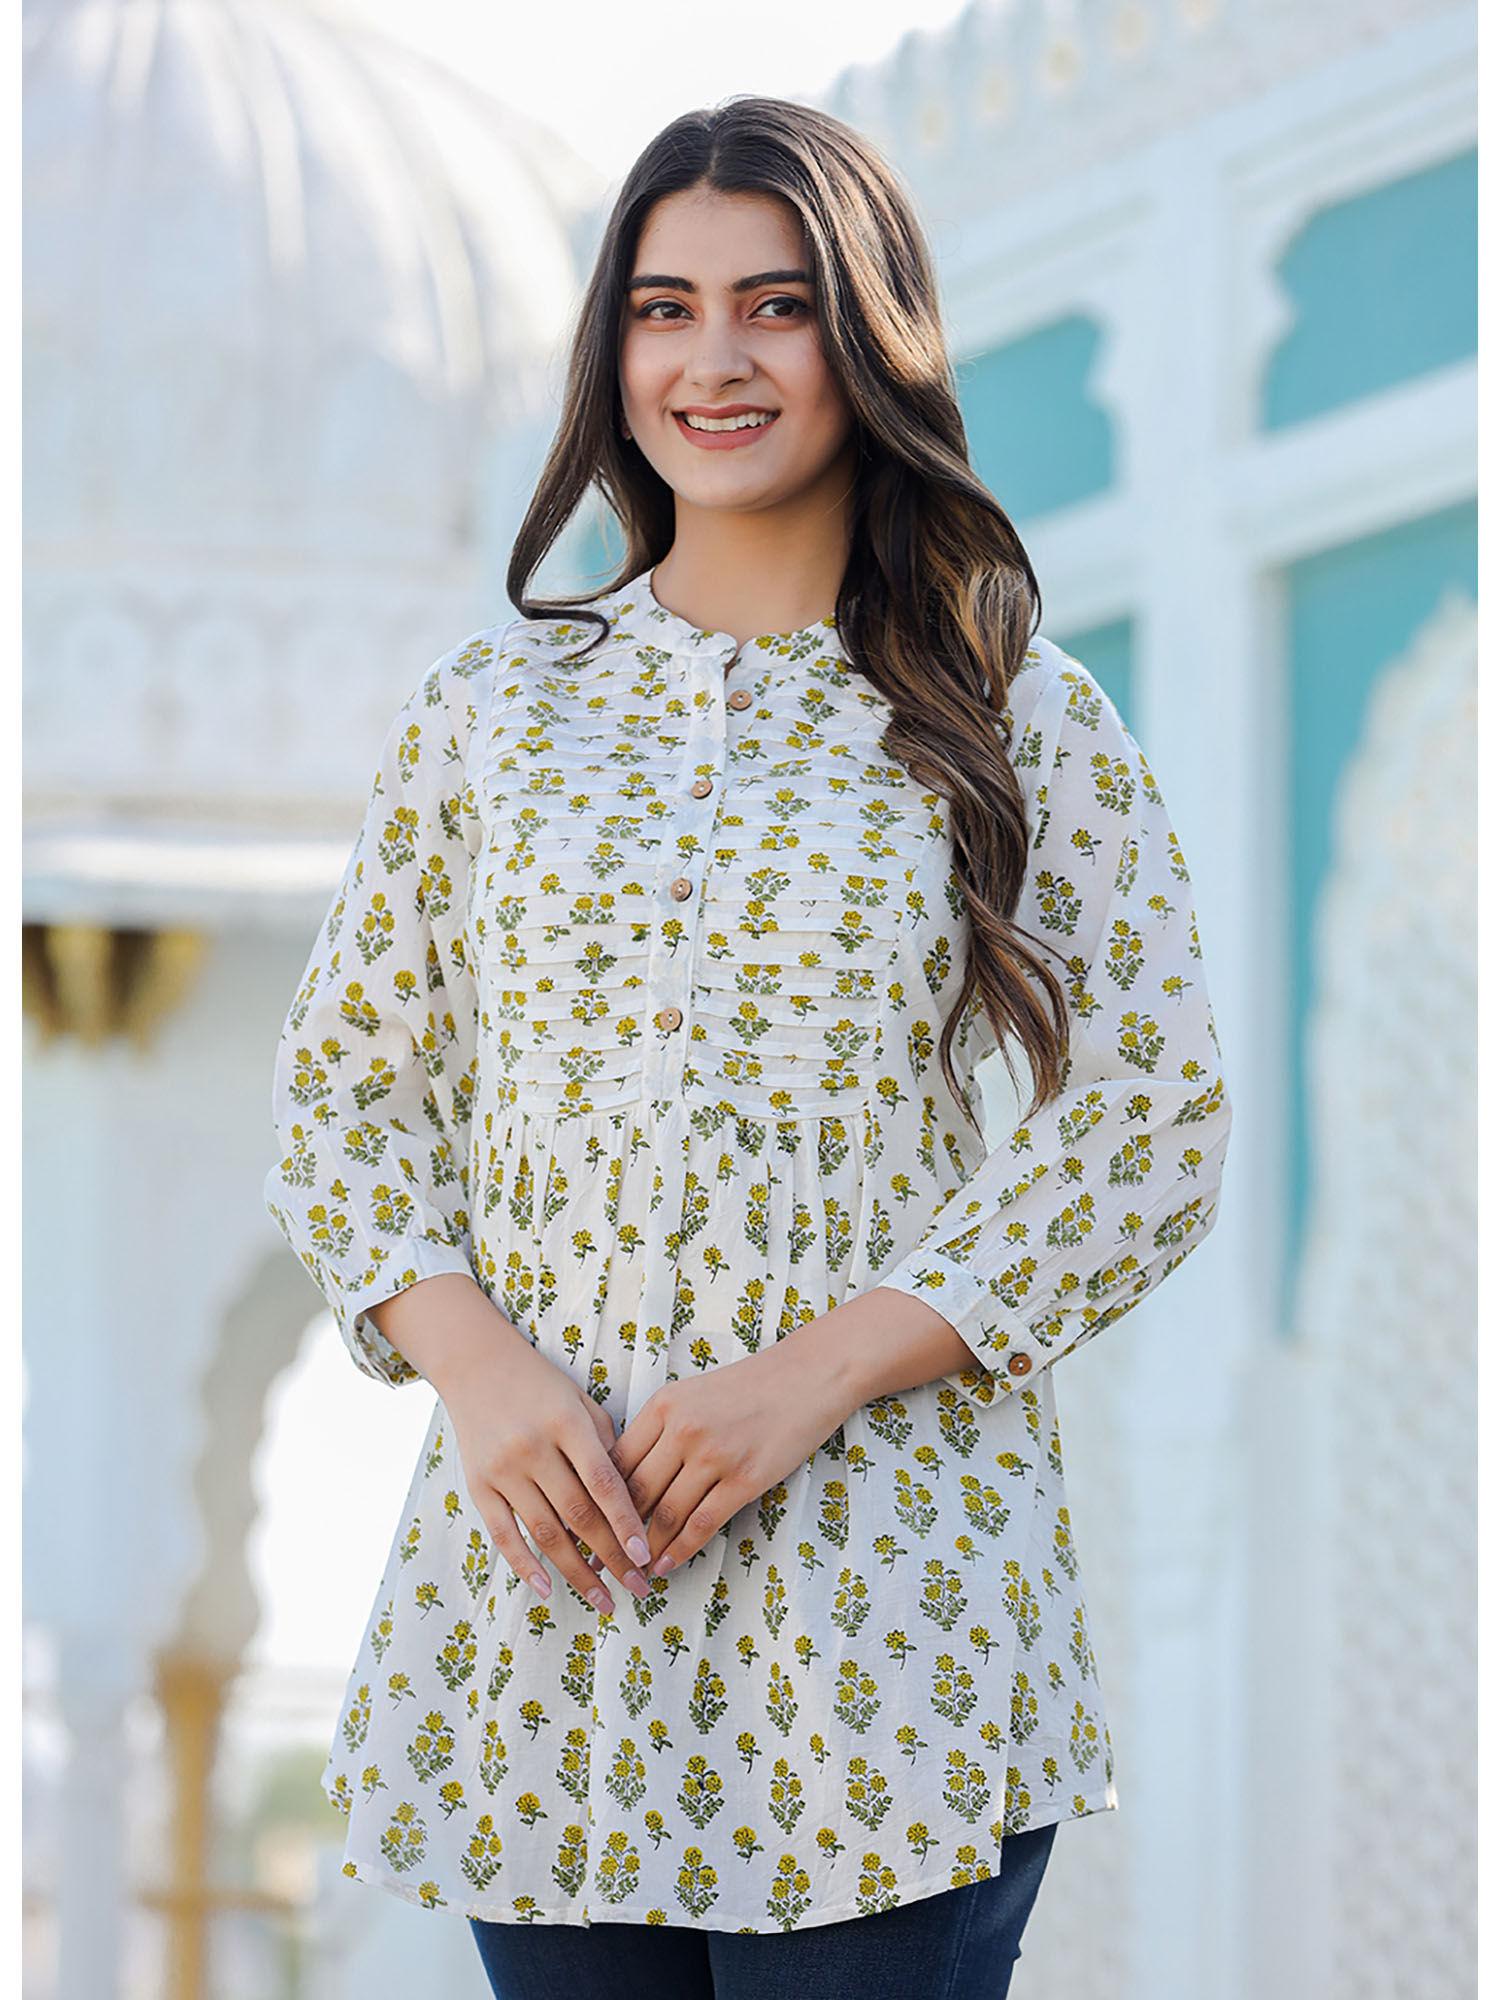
628,1100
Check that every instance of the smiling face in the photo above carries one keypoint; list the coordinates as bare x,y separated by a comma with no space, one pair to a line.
719,323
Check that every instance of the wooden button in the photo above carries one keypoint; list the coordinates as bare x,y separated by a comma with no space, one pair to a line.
741,698
669,1017
702,787
682,888
1019,1364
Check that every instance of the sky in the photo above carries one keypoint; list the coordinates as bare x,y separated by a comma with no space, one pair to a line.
611,76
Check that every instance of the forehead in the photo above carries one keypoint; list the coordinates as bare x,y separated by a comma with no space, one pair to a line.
700,232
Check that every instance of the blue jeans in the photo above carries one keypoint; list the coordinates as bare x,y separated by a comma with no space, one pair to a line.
960,1944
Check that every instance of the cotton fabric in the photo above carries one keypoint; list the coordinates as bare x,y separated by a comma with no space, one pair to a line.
629,1004
961,1945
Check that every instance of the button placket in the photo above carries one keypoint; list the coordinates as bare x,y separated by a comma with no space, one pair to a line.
673,970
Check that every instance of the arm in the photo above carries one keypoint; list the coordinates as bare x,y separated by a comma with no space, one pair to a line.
1072,1219
446,1327
876,1344
376,1064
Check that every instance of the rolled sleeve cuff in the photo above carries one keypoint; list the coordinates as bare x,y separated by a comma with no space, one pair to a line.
1006,1352
408,1261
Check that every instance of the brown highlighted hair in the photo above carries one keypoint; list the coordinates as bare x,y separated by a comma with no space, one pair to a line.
938,602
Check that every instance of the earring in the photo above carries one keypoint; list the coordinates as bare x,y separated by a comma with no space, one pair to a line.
625,428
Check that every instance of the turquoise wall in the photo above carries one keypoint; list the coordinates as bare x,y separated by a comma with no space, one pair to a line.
1349,612
1385,288
601,547
1036,437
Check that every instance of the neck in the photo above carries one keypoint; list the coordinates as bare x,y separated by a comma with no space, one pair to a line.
774,571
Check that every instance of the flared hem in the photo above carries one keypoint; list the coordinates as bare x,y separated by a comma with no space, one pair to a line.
490,1911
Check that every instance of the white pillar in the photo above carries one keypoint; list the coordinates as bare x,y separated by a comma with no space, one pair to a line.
95,1688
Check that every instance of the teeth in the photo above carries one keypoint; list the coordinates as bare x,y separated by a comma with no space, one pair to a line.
727,423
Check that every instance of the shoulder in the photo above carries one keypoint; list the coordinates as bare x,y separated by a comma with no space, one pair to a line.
1056,692
1066,732
1036,684
457,703
531,651
509,656
456,689
1048,667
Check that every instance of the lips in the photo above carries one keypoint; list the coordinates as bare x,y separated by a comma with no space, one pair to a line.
724,410
727,440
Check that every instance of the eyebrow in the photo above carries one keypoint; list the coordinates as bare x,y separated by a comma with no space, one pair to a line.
739,285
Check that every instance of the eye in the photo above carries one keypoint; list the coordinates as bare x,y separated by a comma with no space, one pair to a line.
780,299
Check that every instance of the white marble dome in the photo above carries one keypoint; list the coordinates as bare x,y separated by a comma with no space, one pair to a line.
296,303
278,272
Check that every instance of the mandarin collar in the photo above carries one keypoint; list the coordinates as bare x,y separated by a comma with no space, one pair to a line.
637,616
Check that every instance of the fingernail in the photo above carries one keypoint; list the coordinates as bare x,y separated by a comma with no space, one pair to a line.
542,1583
636,1582
662,1565
600,1600
637,1549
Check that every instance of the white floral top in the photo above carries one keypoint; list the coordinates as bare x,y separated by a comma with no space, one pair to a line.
629,1003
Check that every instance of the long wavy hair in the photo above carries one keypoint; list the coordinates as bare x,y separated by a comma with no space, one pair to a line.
938,602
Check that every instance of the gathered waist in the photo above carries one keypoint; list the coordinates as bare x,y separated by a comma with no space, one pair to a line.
699,1114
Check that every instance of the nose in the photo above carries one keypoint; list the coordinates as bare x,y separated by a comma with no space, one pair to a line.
718,355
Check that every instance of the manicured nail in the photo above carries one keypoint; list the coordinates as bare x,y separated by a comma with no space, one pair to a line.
542,1583
662,1564
600,1600
636,1582
637,1549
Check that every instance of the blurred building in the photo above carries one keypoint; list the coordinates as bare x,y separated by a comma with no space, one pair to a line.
292,296
1209,267
295,303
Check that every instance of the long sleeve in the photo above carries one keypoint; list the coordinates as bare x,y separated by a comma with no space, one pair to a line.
375,1069
1074,1217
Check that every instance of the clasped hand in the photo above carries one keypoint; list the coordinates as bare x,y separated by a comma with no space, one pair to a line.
540,1455
704,1446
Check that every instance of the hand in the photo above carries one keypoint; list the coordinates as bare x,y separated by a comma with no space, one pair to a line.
702,1447
535,1449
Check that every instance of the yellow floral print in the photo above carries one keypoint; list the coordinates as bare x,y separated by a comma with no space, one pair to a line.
628,1003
